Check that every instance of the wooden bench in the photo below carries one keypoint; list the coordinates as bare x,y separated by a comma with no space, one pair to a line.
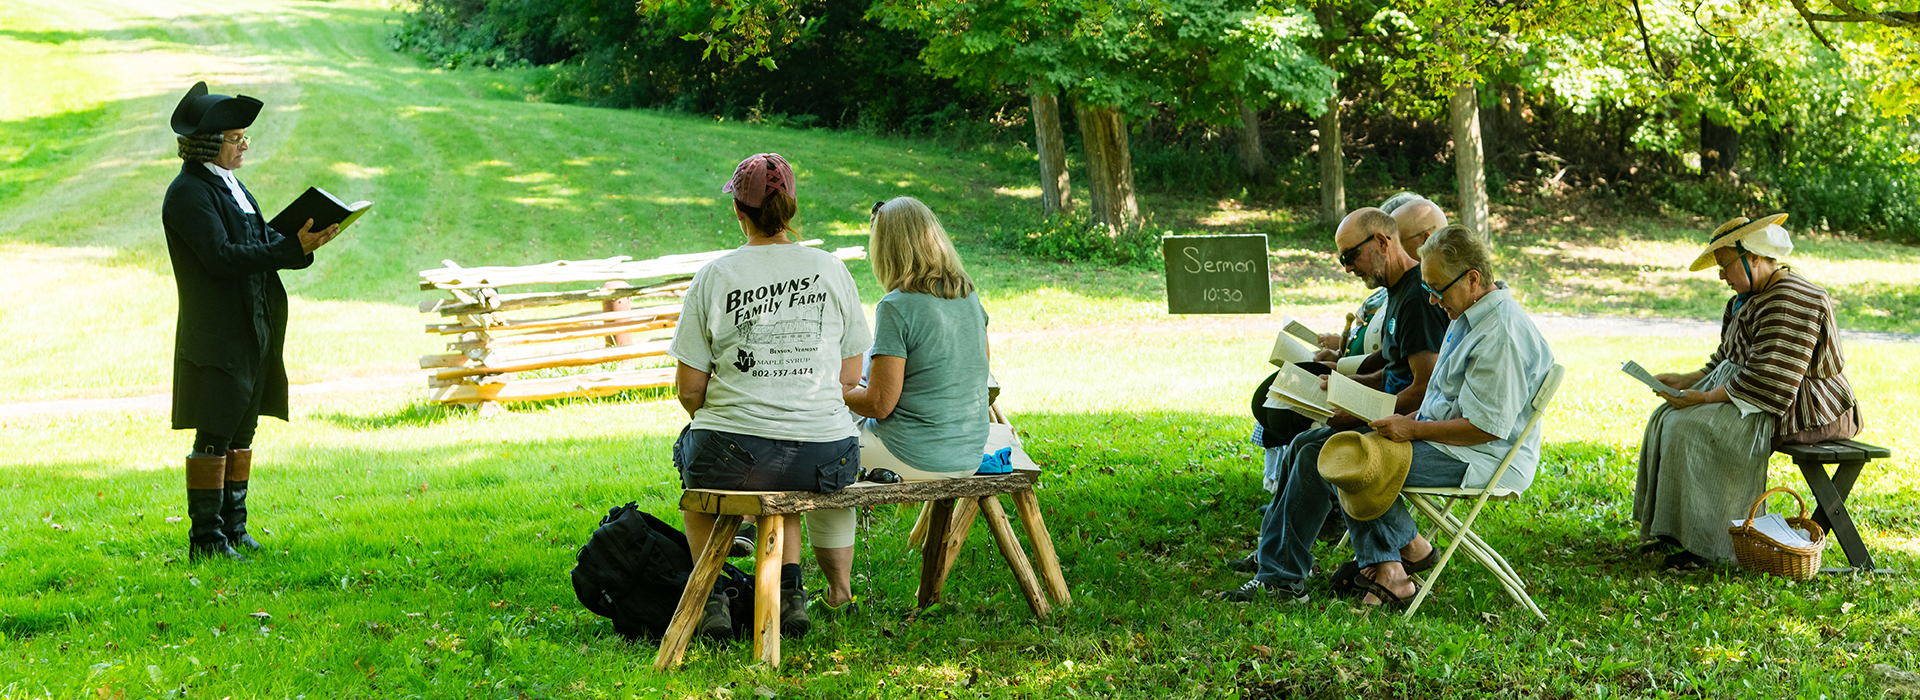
1831,492
955,504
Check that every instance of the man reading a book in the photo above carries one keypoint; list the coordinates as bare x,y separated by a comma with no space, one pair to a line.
1369,248
227,366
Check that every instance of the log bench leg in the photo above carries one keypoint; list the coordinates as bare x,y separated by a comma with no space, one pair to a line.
769,553
934,554
959,525
1015,556
693,599
918,536
1028,507
1830,494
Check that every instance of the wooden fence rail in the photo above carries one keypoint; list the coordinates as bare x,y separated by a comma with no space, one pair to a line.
636,304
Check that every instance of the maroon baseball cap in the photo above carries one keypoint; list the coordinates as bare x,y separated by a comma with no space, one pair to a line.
758,175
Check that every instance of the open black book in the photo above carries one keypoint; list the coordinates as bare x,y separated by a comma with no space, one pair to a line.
325,210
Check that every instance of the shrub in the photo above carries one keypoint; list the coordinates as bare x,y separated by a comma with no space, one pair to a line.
1073,237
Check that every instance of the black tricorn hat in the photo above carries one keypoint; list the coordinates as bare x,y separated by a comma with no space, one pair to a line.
201,113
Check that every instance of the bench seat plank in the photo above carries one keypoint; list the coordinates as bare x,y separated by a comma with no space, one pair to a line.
1836,451
862,493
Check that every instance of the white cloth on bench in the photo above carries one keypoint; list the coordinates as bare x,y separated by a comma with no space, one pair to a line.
874,455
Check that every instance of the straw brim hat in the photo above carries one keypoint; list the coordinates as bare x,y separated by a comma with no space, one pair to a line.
1367,469
1772,242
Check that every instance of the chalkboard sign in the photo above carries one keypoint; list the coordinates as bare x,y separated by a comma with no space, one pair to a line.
1217,274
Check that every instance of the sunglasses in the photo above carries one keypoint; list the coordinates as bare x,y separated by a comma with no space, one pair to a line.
875,211
1443,290
880,476
1347,256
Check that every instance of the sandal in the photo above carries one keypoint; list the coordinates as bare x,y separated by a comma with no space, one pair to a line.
829,612
1386,597
1344,579
1414,567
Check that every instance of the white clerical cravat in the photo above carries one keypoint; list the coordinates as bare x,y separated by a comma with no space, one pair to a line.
233,187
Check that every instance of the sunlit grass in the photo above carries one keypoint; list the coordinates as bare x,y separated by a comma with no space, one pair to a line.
423,552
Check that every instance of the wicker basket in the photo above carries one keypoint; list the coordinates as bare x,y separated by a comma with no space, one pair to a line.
1758,552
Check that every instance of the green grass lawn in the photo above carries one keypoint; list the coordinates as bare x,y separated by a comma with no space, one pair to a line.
419,552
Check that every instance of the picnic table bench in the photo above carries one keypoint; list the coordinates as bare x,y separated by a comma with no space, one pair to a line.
955,504
1830,493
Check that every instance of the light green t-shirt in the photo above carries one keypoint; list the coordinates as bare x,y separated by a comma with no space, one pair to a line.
940,422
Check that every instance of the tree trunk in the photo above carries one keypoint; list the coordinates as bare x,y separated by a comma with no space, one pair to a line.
1333,165
1468,166
1103,134
1055,191
1719,146
1253,157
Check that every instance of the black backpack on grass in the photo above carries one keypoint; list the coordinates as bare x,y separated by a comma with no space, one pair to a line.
634,568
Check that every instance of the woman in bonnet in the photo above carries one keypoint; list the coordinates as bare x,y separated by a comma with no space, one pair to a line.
1776,378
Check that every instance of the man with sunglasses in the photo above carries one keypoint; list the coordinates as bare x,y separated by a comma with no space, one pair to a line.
227,365
1369,248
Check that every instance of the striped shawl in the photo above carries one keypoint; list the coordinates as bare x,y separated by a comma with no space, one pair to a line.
1786,342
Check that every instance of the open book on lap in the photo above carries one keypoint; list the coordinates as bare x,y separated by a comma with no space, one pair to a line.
1300,390
1358,399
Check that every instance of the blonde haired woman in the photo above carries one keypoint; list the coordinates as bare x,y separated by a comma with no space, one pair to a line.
925,400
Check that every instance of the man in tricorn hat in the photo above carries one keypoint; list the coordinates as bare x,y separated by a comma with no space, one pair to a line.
227,367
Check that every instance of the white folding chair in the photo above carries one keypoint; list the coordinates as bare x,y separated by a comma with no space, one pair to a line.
1437,504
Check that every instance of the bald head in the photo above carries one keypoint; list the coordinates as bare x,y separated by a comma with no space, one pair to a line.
1369,245
1415,221
1362,224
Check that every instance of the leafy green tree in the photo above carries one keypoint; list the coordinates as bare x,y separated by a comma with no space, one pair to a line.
1204,61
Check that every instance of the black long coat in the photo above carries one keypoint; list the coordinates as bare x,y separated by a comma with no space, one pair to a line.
233,310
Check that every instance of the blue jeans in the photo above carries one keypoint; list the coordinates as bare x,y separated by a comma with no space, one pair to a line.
711,459
1293,519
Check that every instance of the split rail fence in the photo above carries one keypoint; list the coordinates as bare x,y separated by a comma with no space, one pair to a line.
494,336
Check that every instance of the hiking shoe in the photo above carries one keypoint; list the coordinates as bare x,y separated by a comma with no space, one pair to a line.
1253,590
1247,564
716,621
793,612
743,541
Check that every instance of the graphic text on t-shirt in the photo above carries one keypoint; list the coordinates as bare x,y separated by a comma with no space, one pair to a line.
745,304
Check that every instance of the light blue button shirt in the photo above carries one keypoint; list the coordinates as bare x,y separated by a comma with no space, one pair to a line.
1489,368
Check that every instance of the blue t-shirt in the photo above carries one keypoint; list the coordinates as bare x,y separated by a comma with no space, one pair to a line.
940,422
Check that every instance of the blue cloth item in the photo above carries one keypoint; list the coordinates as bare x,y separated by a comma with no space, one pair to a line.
996,462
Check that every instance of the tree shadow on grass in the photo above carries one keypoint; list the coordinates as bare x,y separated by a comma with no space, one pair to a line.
1144,509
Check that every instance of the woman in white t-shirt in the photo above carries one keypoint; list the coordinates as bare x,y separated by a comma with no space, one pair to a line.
770,336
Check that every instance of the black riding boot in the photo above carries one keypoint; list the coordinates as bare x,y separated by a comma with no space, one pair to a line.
206,492
233,514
